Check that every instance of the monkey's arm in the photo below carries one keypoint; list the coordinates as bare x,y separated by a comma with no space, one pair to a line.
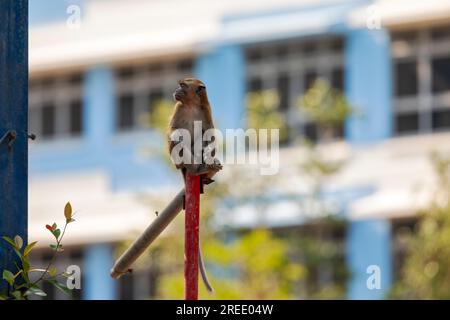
209,150
179,158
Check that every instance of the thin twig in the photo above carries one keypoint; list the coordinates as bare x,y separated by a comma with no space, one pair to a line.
58,242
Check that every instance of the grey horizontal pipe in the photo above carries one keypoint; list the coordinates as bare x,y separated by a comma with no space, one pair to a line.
123,264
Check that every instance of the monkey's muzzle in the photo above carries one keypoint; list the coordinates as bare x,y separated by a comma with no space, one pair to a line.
179,94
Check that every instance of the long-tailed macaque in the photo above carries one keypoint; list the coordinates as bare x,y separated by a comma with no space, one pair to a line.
192,106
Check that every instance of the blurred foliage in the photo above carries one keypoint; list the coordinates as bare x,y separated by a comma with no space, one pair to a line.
262,112
323,257
426,270
158,118
326,106
160,115
318,168
323,253
255,265
20,285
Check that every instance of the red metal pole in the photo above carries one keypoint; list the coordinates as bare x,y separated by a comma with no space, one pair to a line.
191,237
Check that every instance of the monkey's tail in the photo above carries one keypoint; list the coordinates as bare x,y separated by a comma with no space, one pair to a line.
203,272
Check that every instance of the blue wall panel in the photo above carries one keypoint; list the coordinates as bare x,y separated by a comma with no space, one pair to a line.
97,265
99,106
223,71
368,85
368,244
50,11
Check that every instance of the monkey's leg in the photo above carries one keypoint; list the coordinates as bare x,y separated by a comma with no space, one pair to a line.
197,169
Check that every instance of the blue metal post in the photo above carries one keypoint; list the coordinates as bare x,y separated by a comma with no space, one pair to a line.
13,126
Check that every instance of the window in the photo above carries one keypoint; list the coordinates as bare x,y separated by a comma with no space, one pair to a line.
407,123
154,97
310,77
406,80
441,119
140,87
48,120
126,112
255,85
283,91
76,117
291,67
441,74
337,79
422,80
55,106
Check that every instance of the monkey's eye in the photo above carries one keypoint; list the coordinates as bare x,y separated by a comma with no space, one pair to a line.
183,85
199,89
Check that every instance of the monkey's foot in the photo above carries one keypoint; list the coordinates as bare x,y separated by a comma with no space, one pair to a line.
216,166
198,169
207,181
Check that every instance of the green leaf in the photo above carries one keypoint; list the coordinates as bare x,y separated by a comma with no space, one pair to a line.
13,245
68,212
8,276
3,297
57,233
26,269
60,286
53,272
37,270
54,226
9,240
58,249
17,294
28,248
18,241
36,291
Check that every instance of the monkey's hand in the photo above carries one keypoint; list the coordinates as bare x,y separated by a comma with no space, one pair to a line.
215,165
204,168
212,163
196,169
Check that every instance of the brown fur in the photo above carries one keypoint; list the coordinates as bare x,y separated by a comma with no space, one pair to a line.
192,105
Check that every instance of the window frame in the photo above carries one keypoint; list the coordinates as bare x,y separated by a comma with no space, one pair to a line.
145,80
420,46
323,58
61,92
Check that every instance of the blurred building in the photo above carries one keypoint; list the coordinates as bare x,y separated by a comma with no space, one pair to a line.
93,83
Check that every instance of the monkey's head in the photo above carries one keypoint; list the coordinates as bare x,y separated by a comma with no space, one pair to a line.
191,92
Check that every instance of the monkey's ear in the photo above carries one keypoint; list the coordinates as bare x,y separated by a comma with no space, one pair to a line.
200,89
